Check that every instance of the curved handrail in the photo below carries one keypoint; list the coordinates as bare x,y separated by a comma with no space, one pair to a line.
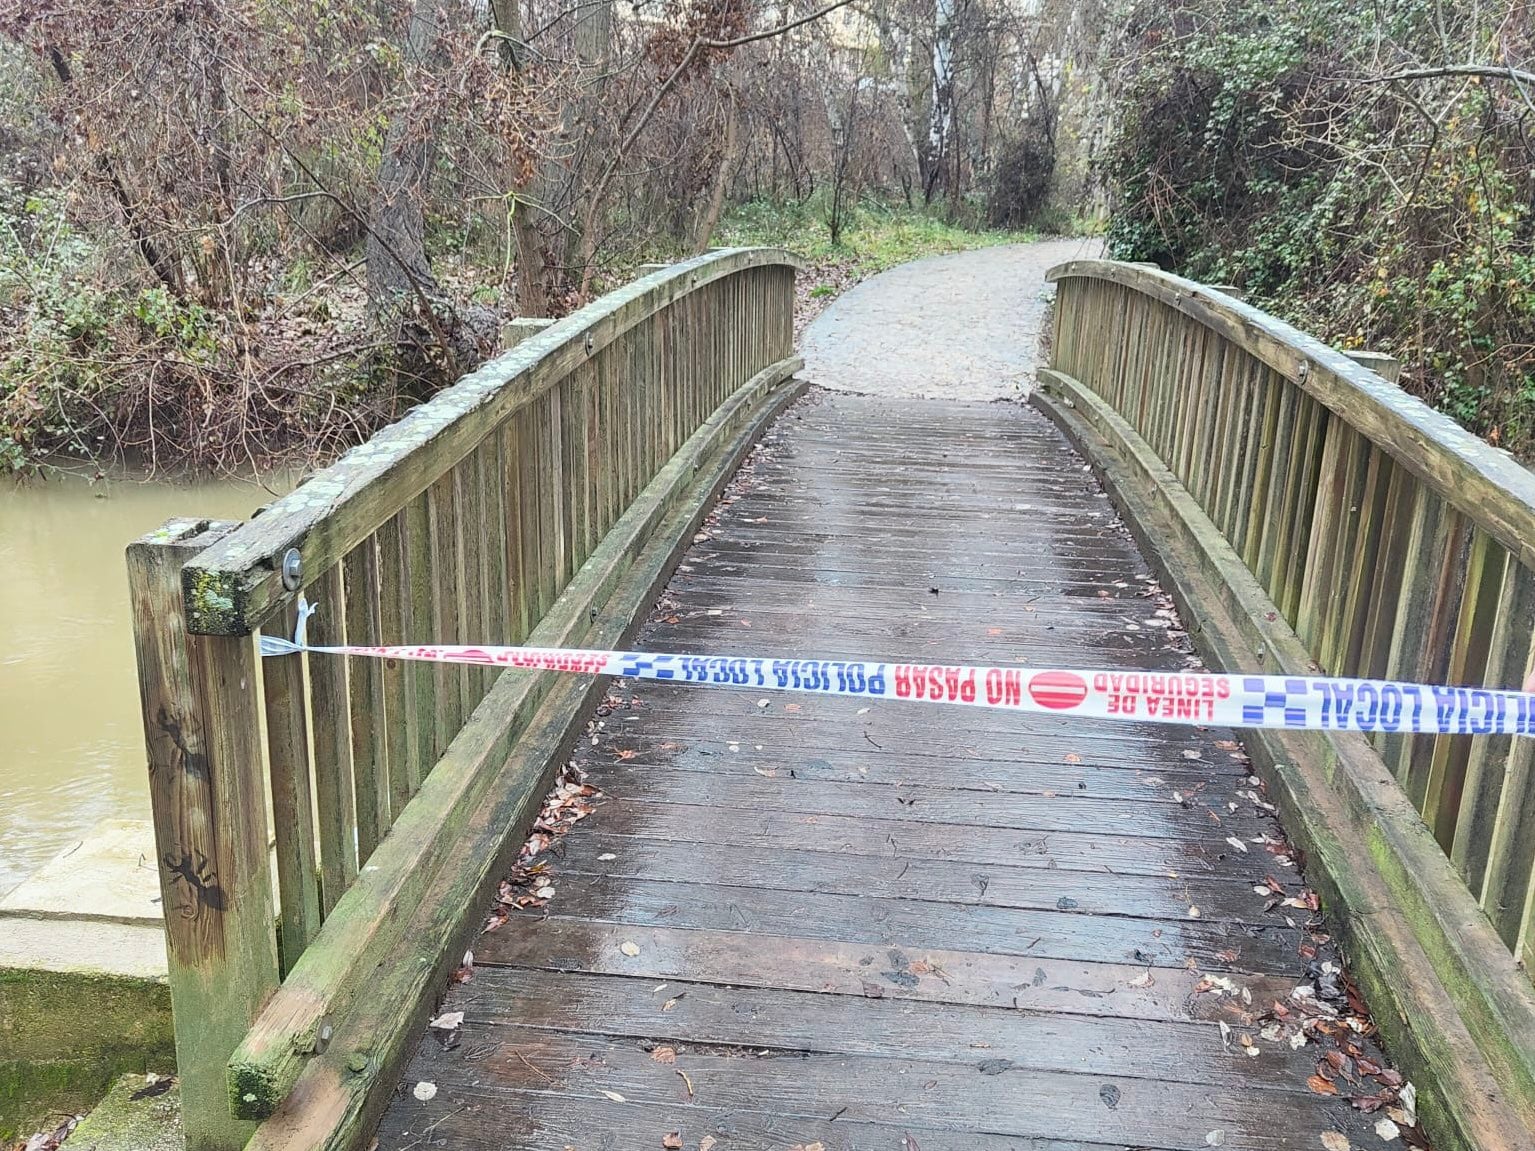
1483,482
237,583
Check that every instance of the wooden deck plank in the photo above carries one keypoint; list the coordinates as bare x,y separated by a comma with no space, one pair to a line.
1099,851
811,1023
745,865
891,925
522,1067
1149,816
830,966
1053,934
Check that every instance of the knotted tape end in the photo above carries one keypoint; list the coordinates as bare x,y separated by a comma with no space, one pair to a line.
270,645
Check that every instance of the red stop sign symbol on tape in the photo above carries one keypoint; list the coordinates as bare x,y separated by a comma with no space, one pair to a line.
1058,690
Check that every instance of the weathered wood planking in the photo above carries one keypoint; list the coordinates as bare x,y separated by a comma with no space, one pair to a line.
210,825
1396,544
507,506
889,926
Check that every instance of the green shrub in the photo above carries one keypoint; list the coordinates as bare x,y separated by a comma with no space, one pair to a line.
1394,216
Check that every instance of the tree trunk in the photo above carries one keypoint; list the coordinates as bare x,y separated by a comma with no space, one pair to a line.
593,42
940,110
402,290
396,247
532,268
729,158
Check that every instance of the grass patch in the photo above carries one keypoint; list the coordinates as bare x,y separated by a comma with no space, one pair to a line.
876,236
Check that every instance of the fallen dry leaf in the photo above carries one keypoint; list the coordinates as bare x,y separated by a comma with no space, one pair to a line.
1334,1141
1386,1129
1322,1086
1143,980
706,1142
672,1141
664,1055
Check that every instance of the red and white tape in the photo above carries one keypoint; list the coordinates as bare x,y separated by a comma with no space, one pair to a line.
1314,703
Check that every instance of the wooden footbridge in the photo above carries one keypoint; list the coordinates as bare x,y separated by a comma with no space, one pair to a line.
752,920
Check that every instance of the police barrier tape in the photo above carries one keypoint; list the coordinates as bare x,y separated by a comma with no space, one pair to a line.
1296,702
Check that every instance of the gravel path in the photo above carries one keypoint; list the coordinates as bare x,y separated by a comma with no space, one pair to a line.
964,326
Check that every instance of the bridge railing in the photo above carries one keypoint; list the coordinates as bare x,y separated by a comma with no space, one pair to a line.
537,500
1395,545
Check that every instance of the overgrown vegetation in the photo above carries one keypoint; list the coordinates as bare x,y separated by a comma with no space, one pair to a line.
1365,171
246,230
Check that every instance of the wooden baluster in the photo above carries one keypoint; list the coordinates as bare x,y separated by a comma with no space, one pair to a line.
550,482
537,547
203,740
1467,665
1495,833
1195,399
1385,595
1366,551
402,744
1268,529
1122,385
464,580
1209,460
422,681
1306,468
1239,373
1332,641
1447,570
514,501
441,581
1260,449
366,694
605,443
1321,559
284,686
575,496
1166,363
498,603
330,709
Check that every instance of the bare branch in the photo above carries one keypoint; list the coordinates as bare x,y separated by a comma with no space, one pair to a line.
1490,71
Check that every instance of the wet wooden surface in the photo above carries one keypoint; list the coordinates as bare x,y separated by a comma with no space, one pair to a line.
794,921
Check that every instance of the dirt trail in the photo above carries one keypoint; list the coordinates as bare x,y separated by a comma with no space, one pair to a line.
964,326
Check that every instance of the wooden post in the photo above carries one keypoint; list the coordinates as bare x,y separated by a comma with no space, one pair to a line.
203,740
1387,367
513,332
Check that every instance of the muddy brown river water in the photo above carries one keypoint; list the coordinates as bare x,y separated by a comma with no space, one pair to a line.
71,748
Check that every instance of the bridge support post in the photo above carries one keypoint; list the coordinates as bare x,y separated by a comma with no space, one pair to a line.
1387,367
513,332
202,737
